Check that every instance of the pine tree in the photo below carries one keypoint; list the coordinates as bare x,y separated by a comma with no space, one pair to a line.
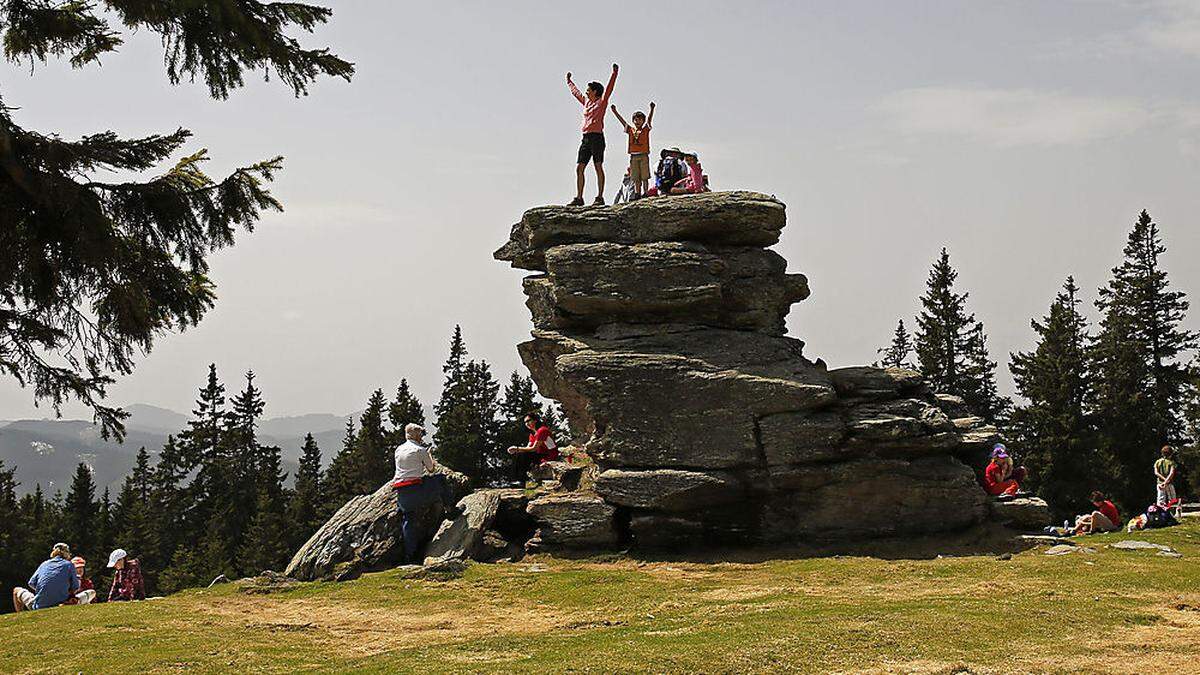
373,449
520,399
951,346
202,447
130,257
168,524
404,410
304,510
896,355
339,486
467,427
134,522
265,546
14,538
79,514
1138,357
1052,428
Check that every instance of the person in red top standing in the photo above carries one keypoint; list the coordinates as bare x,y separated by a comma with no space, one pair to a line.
541,440
591,149
127,582
1105,518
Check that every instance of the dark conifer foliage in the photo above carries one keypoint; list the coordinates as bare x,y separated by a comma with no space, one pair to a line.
898,353
1052,427
467,427
129,257
951,345
1139,362
306,507
80,511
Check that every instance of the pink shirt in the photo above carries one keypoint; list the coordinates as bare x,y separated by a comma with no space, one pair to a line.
593,111
695,179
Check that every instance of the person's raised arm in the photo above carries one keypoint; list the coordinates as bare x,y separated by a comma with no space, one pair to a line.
612,81
574,90
619,118
650,119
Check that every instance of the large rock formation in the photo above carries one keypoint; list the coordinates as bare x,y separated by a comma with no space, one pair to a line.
659,327
364,535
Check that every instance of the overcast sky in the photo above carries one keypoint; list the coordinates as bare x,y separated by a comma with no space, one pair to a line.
1023,136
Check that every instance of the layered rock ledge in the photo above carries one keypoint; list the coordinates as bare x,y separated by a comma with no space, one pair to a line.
659,327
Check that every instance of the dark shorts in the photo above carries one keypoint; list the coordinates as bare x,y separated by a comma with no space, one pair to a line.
591,148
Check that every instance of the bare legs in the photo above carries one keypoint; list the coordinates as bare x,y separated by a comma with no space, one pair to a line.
579,179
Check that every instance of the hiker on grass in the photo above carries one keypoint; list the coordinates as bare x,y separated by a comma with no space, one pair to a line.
1104,518
127,584
53,583
541,441
1165,471
591,149
418,486
87,591
639,149
1000,478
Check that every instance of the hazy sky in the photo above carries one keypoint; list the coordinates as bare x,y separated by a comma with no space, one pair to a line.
1023,136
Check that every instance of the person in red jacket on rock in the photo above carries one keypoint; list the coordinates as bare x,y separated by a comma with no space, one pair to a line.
541,441
1000,478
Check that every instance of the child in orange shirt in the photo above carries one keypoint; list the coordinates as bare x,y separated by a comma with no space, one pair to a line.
639,149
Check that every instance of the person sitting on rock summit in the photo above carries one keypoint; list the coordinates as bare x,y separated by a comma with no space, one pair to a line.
1000,478
694,182
541,440
53,583
417,486
591,148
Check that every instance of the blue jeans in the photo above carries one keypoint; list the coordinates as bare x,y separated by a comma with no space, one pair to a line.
412,499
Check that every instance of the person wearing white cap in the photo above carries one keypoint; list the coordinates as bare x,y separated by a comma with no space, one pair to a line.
54,581
127,581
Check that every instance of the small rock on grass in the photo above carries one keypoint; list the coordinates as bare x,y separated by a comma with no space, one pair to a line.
1064,549
1139,545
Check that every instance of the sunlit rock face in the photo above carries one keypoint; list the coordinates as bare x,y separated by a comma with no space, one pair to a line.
659,326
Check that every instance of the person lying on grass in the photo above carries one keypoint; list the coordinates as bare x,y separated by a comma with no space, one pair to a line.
1104,518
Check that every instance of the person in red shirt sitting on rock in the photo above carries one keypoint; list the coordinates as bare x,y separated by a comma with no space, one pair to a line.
541,441
1000,478
1104,519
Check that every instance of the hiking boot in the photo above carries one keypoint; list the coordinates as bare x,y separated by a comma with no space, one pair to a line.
578,201
599,201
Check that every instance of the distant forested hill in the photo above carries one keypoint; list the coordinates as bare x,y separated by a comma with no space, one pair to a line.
47,451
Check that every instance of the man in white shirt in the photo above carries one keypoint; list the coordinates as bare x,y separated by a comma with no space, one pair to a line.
417,486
